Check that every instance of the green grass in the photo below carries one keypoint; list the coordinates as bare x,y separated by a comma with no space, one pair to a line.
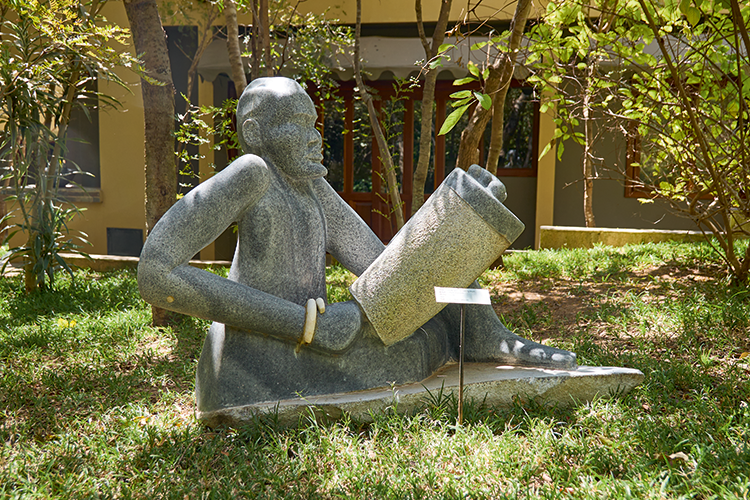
96,403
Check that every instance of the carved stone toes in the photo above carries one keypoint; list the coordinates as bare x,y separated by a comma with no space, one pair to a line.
521,352
527,353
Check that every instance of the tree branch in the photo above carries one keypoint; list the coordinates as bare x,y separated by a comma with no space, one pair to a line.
428,99
498,81
385,153
233,47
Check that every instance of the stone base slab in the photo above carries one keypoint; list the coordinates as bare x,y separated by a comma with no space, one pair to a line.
497,386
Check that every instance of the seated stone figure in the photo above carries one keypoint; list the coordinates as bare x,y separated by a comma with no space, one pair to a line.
287,218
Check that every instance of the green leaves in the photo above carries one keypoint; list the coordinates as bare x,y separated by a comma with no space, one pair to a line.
461,94
473,69
546,149
464,81
484,100
693,15
452,119
441,56
48,58
445,47
464,99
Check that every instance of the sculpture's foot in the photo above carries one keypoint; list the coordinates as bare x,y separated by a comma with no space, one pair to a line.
503,346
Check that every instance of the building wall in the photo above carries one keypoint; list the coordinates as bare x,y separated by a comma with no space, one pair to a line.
554,197
121,154
121,142
611,207
121,136
398,11
521,201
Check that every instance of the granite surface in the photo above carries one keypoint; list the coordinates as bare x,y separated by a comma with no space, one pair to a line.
494,385
461,229
287,218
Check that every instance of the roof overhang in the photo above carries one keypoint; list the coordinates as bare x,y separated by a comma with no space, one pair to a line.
382,56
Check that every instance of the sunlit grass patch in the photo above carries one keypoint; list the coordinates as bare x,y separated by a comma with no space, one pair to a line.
338,281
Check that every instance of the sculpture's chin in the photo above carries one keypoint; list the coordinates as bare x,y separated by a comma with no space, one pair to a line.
317,170
307,170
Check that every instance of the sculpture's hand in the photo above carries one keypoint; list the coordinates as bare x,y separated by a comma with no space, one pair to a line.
489,182
338,326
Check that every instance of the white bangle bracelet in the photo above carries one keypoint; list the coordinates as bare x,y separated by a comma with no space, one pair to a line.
311,316
312,308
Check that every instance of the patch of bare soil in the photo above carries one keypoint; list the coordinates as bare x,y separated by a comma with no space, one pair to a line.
560,308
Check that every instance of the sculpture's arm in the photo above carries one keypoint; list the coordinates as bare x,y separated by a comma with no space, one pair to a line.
350,239
166,280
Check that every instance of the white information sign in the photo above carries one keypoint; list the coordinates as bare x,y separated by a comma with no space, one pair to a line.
462,295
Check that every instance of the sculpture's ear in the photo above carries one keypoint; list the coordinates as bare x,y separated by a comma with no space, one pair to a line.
251,135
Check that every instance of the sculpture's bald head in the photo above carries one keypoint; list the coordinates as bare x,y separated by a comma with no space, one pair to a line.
277,122
265,99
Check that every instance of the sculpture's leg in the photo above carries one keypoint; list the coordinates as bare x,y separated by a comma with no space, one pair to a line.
487,339
238,368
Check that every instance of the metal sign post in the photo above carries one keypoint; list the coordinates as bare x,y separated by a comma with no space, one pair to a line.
461,296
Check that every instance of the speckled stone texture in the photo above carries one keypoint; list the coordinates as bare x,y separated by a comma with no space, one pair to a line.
237,368
287,217
461,229
493,385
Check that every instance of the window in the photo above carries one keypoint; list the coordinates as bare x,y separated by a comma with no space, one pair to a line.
634,186
351,153
82,166
79,176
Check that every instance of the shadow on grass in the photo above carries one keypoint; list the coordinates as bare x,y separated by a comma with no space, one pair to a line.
684,430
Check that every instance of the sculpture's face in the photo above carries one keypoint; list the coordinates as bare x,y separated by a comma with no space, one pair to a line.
294,143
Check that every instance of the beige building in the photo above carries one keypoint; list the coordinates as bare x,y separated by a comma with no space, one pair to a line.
542,191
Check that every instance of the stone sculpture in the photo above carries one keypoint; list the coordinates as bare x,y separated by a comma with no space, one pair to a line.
274,337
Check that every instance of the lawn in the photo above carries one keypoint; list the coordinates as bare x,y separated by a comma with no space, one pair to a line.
96,403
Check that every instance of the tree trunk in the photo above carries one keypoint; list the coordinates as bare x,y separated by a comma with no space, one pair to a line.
588,166
3,209
428,99
255,41
158,112
498,81
205,38
265,29
724,237
498,116
38,162
233,47
5,184
385,154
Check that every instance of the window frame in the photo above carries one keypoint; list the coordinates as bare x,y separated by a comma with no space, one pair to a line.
371,206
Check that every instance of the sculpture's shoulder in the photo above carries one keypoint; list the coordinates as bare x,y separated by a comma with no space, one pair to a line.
249,171
240,185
